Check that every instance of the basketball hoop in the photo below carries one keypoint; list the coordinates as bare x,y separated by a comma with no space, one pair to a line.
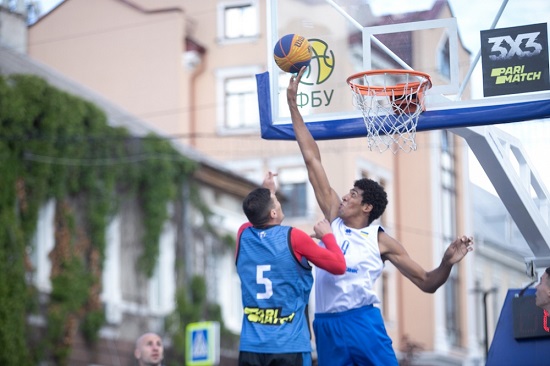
391,102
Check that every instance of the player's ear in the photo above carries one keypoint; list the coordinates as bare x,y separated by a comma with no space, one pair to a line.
367,207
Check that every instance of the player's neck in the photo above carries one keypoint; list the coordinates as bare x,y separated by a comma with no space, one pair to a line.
356,222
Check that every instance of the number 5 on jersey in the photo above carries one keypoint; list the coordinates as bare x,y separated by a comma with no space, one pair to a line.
261,280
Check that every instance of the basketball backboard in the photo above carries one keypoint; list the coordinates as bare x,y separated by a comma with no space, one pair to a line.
437,37
347,36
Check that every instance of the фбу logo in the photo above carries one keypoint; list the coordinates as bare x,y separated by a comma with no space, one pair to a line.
320,69
322,63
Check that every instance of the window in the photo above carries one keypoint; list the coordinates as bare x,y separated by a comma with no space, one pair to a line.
238,20
444,62
448,225
295,203
384,295
293,184
448,188
43,244
162,288
452,313
241,103
236,93
382,219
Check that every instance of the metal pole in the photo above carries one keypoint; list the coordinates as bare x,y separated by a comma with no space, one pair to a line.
478,56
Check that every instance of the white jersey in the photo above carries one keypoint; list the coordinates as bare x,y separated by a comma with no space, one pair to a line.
355,288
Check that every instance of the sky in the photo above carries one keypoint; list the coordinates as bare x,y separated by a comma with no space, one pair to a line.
472,17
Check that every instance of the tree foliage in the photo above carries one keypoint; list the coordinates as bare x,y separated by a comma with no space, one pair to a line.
57,146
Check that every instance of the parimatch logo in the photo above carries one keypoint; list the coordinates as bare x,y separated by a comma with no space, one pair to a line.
515,60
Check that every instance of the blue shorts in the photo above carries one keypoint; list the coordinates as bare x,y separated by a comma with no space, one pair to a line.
353,337
274,359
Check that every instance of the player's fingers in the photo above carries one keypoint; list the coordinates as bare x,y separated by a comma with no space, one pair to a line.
300,73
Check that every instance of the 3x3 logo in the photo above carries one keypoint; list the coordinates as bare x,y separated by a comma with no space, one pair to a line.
506,47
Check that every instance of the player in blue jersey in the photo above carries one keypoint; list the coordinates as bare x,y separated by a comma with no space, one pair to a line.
349,330
276,280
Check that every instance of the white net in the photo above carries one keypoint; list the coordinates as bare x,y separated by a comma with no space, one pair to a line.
391,102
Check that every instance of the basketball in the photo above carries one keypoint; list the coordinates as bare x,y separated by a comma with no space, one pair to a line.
292,52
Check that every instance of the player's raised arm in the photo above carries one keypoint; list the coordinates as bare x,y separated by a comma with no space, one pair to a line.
427,281
327,198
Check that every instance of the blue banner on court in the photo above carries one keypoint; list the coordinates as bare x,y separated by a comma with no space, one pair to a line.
515,60
202,344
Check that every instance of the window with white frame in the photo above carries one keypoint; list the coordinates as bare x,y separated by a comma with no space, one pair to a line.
162,285
240,101
238,20
293,185
238,97
452,313
295,204
292,182
448,225
444,59
384,295
43,243
111,293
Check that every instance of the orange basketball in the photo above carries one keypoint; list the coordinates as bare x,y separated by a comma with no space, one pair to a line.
292,52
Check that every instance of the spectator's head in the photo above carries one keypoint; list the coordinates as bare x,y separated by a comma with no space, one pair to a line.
542,296
149,350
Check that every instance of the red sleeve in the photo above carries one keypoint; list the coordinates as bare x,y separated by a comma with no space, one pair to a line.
241,229
330,259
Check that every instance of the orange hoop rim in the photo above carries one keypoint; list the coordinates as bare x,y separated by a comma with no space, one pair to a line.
399,89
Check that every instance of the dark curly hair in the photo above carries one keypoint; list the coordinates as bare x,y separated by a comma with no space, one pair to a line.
257,205
373,194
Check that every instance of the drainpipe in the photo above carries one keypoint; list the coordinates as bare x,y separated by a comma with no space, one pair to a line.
194,62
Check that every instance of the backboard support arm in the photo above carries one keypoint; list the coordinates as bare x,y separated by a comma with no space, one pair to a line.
495,150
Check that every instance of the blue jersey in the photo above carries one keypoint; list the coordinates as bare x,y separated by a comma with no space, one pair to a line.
275,292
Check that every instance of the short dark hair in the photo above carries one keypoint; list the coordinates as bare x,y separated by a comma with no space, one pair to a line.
373,194
548,271
257,206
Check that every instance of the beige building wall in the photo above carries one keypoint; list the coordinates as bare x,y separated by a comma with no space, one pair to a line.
133,52
132,56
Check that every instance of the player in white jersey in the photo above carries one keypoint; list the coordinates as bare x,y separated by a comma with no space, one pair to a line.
349,330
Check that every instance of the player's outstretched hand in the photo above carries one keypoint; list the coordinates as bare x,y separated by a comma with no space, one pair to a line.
458,249
293,83
321,229
269,182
